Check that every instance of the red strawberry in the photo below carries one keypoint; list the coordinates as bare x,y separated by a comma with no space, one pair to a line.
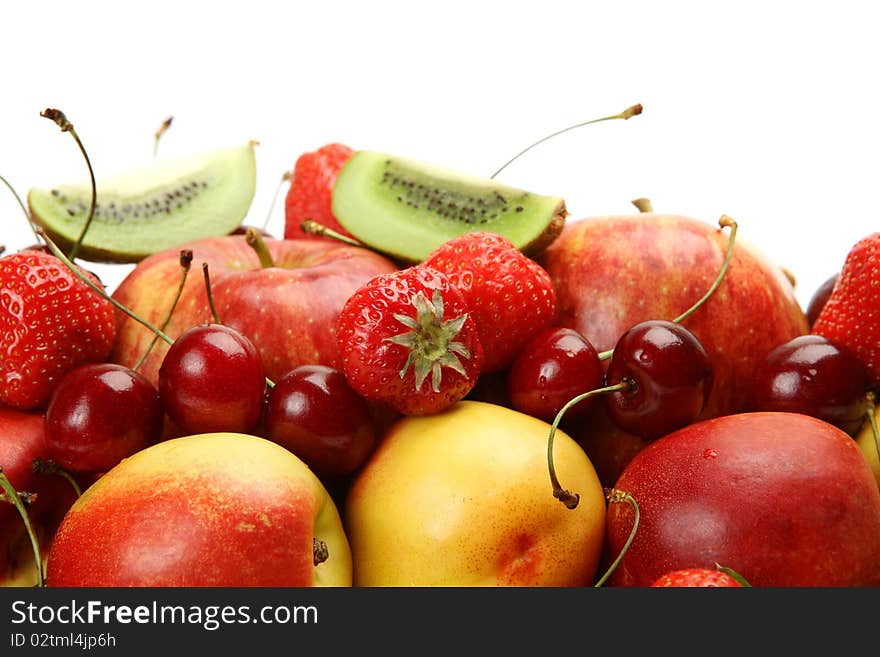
311,187
697,577
406,339
511,297
50,321
851,315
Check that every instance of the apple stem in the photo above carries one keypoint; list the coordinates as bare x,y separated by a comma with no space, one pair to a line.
49,467
285,177
186,256
312,227
872,419
161,131
320,552
76,272
66,126
22,205
614,496
569,499
643,204
628,113
258,244
13,496
724,222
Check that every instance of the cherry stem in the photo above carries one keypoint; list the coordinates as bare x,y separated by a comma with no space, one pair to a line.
210,294
186,256
872,419
569,499
723,222
22,205
614,496
49,467
628,113
76,272
66,126
730,571
258,244
312,227
161,131
13,496
285,177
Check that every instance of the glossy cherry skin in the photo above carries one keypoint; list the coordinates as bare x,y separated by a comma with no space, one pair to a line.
212,379
313,412
552,368
813,375
670,376
820,297
99,414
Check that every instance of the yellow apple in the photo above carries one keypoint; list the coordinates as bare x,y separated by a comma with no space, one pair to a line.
464,498
865,439
218,509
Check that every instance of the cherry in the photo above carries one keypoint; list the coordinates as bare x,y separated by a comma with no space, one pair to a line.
668,375
553,367
212,379
813,375
100,413
820,297
313,412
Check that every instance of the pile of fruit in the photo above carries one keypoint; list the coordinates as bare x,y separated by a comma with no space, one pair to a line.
431,379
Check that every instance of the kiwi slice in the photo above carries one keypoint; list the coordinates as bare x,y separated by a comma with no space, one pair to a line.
159,205
406,208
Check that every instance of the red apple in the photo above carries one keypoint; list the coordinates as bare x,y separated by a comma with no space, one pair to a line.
23,439
783,499
287,308
613,272
205,510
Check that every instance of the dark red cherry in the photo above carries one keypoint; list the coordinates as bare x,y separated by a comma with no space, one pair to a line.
669,375
99,414
820,297
212,379
552,368
813,375
313,412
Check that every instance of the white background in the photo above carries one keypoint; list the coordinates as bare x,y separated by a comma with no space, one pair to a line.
761,110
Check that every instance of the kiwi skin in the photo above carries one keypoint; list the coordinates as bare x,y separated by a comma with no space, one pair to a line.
151,208
406,208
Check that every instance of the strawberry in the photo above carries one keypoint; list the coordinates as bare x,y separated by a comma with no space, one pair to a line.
407,339
511,297
697,577
851,315
50,321
311,187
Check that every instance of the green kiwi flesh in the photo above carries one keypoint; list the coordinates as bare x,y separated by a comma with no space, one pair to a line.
406,208
157,206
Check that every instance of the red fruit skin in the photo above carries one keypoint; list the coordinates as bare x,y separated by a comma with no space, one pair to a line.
310,194
510,296
372,365
851,316
782,498
50,322
696,577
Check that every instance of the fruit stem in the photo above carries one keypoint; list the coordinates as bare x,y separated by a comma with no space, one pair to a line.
285,177
730,571
644,205
569,499
161,131
66,126
21,204
49,467
724,222
312,227
628,113
613,495
76,272
13,496
258,244
872,418
320,553
186,256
